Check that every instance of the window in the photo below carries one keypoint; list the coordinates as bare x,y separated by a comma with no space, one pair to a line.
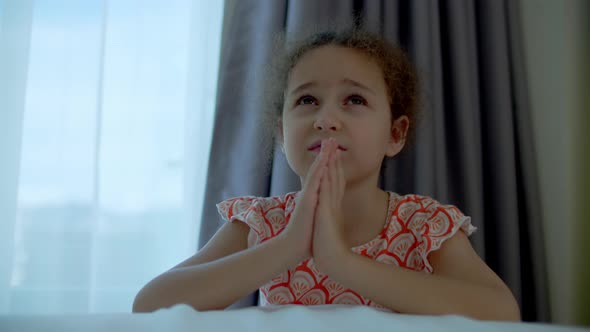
115,138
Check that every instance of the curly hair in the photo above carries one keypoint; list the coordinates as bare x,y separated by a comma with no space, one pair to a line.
399,73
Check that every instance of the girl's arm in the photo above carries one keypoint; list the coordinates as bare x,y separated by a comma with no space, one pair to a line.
221,273
462,284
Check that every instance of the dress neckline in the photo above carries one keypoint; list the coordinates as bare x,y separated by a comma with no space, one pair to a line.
388,217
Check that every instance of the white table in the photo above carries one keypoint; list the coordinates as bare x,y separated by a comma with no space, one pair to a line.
261,319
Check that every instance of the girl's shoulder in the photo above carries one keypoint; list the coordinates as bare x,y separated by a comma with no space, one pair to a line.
266,216
233,206
419,225
426,215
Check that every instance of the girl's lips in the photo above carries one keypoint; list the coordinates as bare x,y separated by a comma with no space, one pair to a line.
317,149
318,144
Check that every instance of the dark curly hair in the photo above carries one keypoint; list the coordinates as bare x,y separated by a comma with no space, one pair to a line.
399,73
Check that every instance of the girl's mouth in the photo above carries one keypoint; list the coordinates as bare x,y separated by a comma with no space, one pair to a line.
318,144
317,149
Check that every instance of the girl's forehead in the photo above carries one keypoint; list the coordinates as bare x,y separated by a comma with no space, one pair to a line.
336,64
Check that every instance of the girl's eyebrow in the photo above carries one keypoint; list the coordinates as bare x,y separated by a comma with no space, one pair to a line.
346,81
357,84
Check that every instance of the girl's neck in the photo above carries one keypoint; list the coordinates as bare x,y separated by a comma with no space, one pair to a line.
364,210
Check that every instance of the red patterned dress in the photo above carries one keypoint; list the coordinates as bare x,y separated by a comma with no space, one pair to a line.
416,225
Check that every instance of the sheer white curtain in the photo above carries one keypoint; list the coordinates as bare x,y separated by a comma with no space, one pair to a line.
106,112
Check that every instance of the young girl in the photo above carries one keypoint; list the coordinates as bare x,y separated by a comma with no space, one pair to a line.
347,101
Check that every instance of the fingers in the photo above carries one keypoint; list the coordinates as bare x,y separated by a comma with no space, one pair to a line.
333,176
315,172
341,179
329,180
324,184
325,179
326,174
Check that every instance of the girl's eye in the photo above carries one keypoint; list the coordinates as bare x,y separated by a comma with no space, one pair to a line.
356,100
306,100
351,100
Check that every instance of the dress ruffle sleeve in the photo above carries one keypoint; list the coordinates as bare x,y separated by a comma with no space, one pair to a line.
438,224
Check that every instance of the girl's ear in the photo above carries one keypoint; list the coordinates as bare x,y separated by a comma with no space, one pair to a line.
399,130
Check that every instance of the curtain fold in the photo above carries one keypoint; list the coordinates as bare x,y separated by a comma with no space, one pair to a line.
474,145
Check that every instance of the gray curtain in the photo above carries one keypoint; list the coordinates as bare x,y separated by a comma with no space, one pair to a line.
474,145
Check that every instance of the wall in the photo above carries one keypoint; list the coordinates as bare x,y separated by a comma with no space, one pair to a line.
581,164
553,35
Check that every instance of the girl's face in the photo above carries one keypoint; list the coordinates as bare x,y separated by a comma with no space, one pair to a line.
339,92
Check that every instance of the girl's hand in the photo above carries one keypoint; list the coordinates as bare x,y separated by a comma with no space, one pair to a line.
328,240
299,230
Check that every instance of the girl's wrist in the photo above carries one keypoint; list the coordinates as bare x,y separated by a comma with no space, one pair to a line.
330,262
294,249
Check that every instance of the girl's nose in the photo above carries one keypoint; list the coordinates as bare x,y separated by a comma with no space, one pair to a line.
326,121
